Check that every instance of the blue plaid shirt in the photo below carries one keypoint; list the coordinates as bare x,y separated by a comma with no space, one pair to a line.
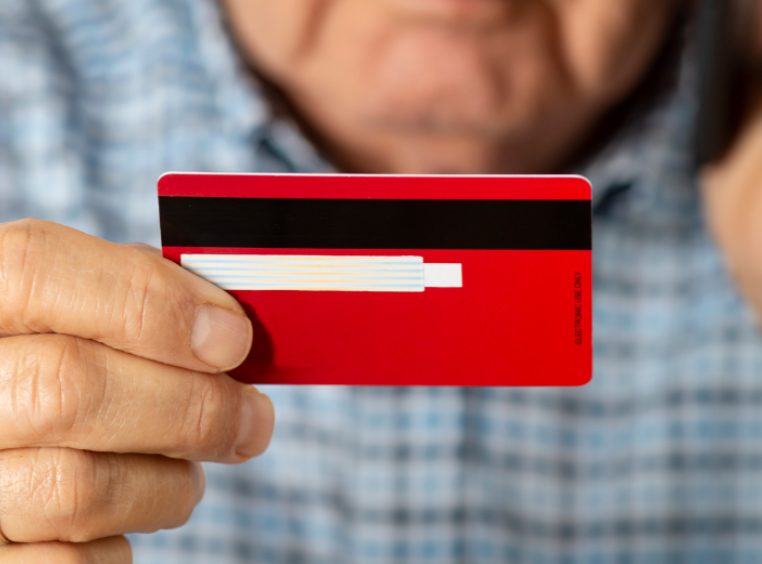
658,460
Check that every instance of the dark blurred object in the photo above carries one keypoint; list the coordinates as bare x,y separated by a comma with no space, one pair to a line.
724,45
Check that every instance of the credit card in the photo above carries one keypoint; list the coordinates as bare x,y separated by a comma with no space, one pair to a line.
395,280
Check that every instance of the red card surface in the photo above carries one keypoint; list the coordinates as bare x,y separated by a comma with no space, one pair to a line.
395,280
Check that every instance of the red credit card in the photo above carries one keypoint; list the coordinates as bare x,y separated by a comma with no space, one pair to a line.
395,280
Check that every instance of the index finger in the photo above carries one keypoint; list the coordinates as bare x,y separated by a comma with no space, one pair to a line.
57,280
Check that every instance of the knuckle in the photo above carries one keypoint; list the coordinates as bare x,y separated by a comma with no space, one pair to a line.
210,417
144,248
52,393
187,502
23,244
139,301
71,493
195,492
25,233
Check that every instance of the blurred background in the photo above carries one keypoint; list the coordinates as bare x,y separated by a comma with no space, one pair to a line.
657,460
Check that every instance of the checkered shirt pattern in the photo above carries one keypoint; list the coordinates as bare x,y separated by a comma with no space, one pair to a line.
658,460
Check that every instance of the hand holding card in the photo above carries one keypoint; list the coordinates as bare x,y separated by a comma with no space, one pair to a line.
395,280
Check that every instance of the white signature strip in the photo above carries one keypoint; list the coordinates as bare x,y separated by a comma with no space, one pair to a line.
323,272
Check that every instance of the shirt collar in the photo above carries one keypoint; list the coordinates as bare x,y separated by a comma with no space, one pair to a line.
648,162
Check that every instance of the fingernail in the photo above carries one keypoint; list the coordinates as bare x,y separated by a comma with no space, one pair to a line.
257,417
220,337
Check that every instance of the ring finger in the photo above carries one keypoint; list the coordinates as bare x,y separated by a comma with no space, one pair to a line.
75,496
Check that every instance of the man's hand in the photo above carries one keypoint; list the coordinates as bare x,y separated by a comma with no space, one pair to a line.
110,393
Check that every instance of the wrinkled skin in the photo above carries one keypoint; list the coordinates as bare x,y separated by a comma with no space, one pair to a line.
111,393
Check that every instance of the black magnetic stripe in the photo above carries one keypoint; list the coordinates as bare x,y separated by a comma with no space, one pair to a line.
375,224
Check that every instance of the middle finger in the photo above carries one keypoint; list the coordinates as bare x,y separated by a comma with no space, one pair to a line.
58,391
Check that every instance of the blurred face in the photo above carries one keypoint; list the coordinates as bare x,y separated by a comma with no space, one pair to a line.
451,85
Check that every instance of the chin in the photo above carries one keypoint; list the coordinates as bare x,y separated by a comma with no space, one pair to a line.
441,153
422,97
435,80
